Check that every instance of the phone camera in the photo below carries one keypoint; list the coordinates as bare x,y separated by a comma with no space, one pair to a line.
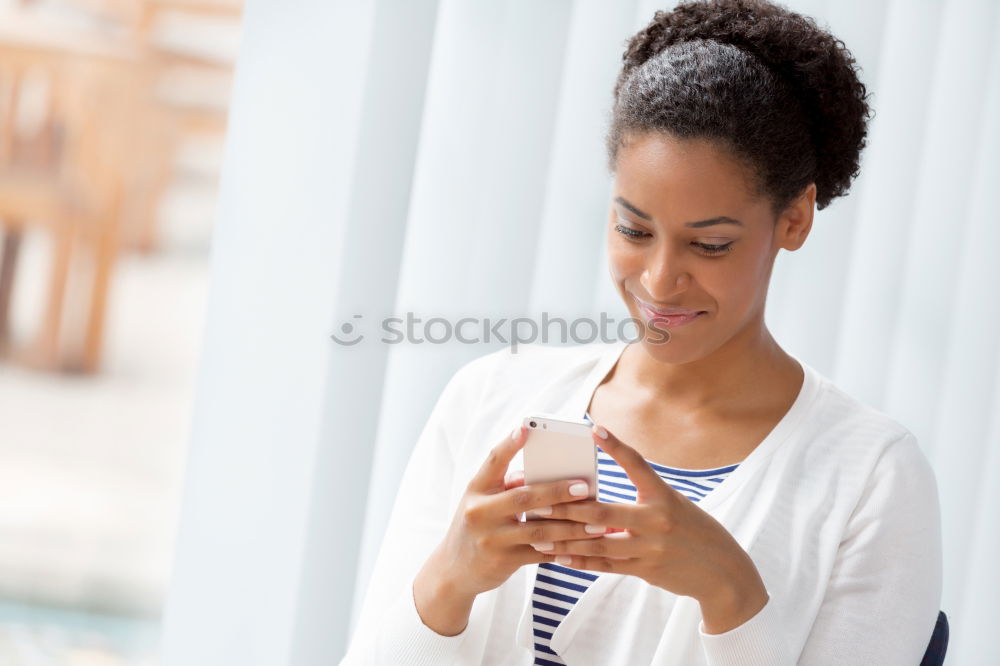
532,424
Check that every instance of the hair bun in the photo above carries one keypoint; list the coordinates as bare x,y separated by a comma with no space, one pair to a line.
818,66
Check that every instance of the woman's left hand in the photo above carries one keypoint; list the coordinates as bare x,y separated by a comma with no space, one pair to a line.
667,540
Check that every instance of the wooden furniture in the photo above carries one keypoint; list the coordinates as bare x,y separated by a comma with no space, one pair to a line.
62,174
179,75
89,171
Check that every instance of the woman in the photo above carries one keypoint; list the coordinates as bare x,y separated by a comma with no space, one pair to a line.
749,511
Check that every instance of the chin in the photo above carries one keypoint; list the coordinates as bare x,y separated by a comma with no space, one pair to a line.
676,346
673,352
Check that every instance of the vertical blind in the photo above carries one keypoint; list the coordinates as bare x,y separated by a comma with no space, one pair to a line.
446,158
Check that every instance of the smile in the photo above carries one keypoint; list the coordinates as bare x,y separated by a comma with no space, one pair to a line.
663,320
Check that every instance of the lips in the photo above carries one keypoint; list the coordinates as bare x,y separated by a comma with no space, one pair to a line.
672,312
662,319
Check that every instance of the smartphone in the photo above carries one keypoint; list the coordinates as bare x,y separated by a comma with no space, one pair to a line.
559,449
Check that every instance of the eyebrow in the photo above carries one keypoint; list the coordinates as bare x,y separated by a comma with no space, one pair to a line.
722,219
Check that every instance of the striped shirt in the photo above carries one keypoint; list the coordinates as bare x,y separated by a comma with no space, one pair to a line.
557,587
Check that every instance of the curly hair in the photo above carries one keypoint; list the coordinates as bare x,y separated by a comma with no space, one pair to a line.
782,94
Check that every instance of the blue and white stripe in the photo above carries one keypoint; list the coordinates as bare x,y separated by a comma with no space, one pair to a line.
557,587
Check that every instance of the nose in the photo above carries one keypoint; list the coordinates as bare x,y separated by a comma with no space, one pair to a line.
664,277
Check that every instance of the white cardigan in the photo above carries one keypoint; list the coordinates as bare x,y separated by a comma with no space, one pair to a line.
837,507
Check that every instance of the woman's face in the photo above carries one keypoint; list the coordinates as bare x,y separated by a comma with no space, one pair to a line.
685,230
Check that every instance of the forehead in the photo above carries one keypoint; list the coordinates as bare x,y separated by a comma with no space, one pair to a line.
687,179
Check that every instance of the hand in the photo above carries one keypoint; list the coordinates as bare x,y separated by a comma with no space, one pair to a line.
486,542
666,540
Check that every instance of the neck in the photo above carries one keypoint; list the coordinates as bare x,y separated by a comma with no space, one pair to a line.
730,375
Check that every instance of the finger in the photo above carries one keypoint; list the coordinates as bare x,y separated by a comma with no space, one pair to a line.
540,497
625,565
544,533
646,481
490,475
514,479
527,555
613,515
620,545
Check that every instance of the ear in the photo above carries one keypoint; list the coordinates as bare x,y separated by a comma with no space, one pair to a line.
795,222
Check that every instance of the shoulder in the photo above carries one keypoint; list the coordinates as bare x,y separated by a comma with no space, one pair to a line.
847,413
856,432
859,473
834,413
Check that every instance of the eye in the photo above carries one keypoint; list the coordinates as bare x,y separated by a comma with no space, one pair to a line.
714,249
706,248
630,233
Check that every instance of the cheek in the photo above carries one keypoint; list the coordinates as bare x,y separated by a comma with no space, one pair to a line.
622,262
736,281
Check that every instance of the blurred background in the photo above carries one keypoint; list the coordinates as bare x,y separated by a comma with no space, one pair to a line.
193,474
112,117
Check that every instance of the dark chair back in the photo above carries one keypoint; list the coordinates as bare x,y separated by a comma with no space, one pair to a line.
936,649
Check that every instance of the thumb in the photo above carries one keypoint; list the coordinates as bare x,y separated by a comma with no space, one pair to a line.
490,476
514,479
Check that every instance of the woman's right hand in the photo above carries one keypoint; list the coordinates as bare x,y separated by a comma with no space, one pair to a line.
486,542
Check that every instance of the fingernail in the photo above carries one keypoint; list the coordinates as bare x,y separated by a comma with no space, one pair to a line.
564,559
578,489
543,511
601,432
515,433
542,546
594,529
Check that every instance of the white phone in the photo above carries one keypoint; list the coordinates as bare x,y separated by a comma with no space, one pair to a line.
559,449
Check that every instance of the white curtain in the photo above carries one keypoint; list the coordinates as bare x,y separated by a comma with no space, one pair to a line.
446,158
